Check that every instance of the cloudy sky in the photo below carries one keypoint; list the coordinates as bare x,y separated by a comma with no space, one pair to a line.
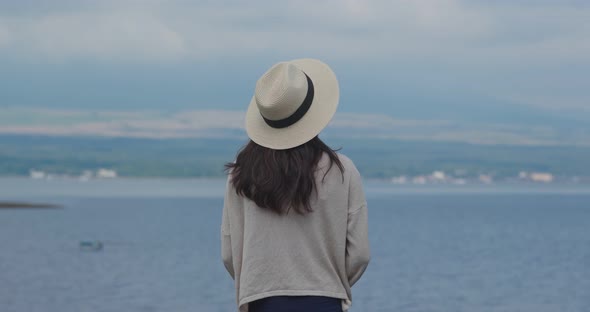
500,63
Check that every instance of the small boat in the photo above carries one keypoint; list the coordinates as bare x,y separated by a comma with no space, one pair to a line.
91,245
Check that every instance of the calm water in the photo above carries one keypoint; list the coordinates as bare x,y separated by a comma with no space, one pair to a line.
498,249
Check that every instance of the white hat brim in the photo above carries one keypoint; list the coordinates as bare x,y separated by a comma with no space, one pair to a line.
321,111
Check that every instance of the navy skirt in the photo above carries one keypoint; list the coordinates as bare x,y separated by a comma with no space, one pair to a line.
296,304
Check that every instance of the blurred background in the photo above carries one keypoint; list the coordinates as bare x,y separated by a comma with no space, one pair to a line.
469,120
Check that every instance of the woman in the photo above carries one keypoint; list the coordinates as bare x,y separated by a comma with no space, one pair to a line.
294,226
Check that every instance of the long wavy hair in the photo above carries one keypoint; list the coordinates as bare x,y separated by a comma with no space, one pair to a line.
280,180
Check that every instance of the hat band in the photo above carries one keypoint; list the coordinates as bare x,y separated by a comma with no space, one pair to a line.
298,114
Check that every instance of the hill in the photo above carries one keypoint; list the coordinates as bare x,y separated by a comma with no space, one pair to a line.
379,158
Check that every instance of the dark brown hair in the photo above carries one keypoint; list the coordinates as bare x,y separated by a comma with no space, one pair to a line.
280,179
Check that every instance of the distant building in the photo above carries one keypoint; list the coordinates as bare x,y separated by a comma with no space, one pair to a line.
485,178
541,177
460,181
37,174
399,180
106,173
419,180
438,176
86,175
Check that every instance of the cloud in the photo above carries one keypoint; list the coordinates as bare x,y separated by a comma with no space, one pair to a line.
452,30
526,52
150,124
84,35
4,37
554,102
230,124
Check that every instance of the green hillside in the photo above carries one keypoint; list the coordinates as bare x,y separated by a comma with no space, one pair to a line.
205,157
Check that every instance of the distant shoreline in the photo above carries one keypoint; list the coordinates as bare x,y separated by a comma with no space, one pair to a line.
24,205
55,191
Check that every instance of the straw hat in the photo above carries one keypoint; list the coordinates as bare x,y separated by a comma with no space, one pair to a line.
292,103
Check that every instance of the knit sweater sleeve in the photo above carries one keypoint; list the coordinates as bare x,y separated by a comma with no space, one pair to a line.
357,239
226,248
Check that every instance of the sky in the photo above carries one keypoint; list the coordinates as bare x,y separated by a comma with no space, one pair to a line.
473,65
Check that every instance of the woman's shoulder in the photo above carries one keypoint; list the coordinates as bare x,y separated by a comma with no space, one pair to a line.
348,166
347,163
344,159
331,170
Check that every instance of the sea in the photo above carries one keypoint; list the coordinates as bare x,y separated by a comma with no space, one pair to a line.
510,248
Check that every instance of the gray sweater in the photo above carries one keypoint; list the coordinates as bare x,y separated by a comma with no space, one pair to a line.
322,253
